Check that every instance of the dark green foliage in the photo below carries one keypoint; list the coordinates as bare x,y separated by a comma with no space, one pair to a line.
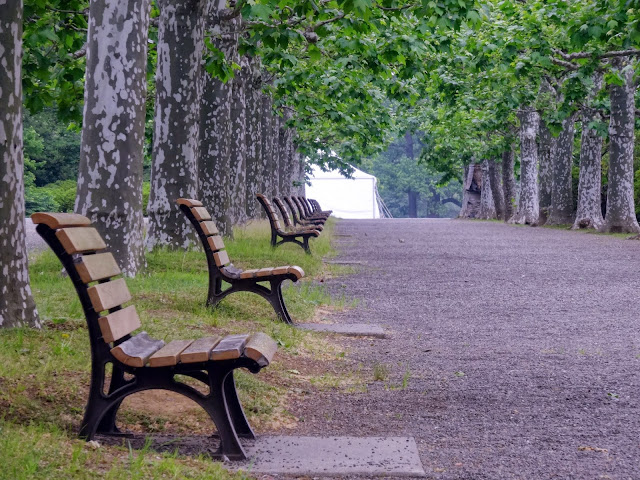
52,146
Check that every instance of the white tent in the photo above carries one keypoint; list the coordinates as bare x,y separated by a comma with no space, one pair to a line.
355,197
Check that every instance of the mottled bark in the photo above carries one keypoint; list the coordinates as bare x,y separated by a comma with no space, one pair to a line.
276,121
215,131
266,137
546,153
487,207
562,211
620,215
17,308
254,137
110,173
495,179
589,214
509,183
528,206
284,155
299,174
174,169
238,153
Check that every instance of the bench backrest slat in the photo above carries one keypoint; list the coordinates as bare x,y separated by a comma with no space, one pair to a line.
283,211
216,243
80,239
60,220
108,295
97,267
221,258
209,228
201,213
271,212
118,324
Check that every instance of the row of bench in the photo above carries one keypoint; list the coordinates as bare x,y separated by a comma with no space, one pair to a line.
139,362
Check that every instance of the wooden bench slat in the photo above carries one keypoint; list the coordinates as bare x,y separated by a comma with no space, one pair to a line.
118,324
59,220
201,213
249,273
209,228
221,258
168,355
230,347
297,271
78,240
215,243
136,351
199,350
281,270
189,202
264,272
109,294
97,267
261,348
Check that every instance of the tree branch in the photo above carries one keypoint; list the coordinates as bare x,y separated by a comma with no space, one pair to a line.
582,55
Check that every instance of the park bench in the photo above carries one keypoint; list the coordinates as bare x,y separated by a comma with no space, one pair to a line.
289,225
286,236
316,207
221,269
139,362
305,213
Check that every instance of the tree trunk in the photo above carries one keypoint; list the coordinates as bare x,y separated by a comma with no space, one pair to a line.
528,207
177,121
562,193
413,203
589,214
284,150
487,207
620,215
238,153
495,179
215,131
110,173
254,137
267,160
509,183
17,308
547,152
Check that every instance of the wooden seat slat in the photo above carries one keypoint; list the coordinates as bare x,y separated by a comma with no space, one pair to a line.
261,348
189,202
281,270
97,267
215,243
201,213
199,350
118,324
297,271
209,228
264,272
249,273
60,220
136,351
105,296
80,239
230,347
221,258
168,355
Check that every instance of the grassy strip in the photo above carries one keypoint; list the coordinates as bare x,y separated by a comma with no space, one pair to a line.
44,375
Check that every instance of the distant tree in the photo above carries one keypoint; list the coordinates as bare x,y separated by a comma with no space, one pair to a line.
17,307
409,188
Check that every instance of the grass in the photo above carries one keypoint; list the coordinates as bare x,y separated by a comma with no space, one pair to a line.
44,374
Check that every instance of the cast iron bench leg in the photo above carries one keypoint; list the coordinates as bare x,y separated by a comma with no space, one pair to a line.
240,423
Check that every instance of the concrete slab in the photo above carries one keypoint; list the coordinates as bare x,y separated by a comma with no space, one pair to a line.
353,329
334,456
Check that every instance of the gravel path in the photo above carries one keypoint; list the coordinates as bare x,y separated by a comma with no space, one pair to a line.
522,348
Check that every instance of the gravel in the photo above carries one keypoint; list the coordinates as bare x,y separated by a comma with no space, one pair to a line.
519,348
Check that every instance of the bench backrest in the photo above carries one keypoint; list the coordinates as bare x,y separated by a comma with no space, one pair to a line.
207,231
305,206
95,276
283,211
293,208
271,212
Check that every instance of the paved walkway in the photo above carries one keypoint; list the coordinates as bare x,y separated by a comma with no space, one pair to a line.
519,348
